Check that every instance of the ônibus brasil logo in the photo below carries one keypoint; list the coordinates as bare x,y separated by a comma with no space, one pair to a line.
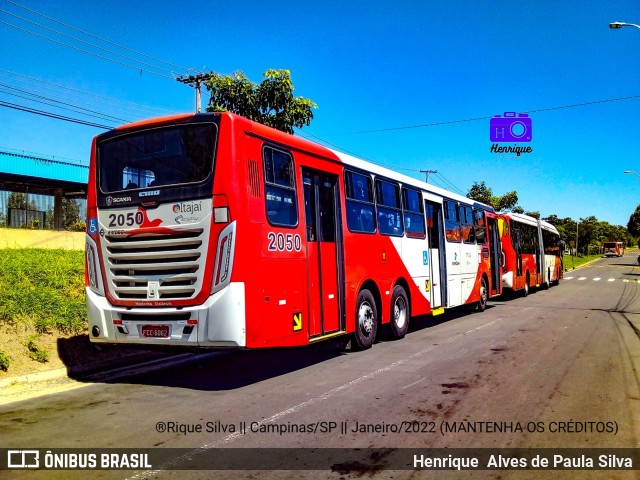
510,128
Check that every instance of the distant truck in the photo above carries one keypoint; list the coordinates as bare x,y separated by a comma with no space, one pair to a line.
613,249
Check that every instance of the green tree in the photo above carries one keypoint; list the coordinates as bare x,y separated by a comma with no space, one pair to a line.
634,222
70,214
480,192
270,102
506,202
566,228
19,200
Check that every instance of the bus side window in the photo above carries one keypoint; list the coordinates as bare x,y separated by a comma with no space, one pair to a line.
452,221
479,225
389,210
413,214
466,221
280,188
360,213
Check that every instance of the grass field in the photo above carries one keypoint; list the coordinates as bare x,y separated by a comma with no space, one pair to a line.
44,288
573,262
41,300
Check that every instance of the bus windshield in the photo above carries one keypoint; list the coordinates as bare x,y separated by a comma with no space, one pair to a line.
159,157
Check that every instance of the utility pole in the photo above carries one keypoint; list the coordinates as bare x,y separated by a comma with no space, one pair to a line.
194,81
427,172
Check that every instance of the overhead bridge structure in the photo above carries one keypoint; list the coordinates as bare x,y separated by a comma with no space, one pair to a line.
27,173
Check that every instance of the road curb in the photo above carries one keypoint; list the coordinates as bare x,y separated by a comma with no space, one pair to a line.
26,387
81,372
584,265
34,377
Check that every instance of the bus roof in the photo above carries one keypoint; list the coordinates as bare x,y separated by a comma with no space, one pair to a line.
406,180
522,218
549,227
528,220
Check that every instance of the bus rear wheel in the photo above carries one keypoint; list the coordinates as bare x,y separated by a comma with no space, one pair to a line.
366,321
399,324
481,306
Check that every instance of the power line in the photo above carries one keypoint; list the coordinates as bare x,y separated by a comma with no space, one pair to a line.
137,62
450,122
325,142
427,172
451,185
15,151
52,115
52,86
95,36
35,97
101,117
84,42
87,51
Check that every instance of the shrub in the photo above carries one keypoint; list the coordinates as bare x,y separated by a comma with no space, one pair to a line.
5,360
78,227
35,351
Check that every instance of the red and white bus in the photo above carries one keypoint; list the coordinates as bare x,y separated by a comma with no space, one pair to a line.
532,253
615,249
211,230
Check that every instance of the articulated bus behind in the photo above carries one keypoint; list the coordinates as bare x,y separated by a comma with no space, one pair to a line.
613,249
552,248
210,230
532,253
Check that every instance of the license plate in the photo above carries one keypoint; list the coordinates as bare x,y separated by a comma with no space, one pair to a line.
155,331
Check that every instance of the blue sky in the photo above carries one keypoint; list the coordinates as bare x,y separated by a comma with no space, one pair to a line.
373,68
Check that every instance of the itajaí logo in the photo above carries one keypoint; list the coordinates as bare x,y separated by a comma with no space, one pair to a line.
510,128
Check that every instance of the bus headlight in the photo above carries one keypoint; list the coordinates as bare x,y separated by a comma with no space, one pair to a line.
224,258
92,267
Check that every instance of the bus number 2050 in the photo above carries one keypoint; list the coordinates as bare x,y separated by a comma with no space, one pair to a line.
279,242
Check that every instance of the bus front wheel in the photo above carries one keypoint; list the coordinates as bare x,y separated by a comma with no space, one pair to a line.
366,321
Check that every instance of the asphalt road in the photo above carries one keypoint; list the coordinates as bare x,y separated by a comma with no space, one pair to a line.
563,364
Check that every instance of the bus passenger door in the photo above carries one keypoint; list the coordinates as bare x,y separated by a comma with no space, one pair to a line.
324,252
437,261
495,255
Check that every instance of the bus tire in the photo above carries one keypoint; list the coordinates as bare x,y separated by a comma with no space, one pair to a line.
399,324
366,321
525,290
481,305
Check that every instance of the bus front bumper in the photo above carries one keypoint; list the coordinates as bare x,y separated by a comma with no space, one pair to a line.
219,322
